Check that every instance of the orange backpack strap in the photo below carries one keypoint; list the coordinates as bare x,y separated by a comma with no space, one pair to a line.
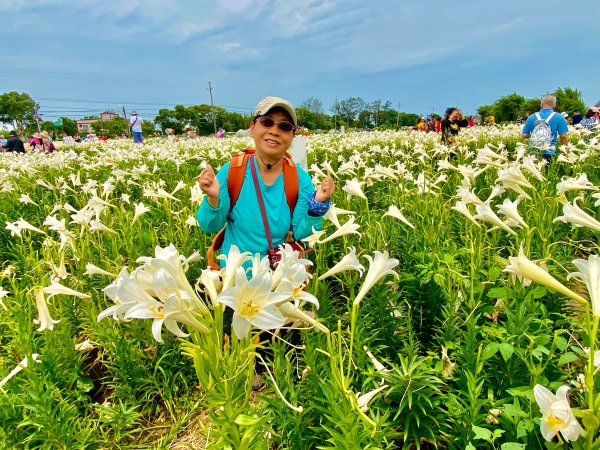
291,182
236,174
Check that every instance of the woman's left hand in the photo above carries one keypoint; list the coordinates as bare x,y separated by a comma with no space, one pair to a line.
326,190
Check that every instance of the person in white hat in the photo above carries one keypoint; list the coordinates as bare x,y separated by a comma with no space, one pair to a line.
273,131
135,124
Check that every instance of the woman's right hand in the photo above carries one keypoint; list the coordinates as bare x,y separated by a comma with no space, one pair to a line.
209,185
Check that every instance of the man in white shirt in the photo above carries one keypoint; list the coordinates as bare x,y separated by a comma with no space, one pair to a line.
135,123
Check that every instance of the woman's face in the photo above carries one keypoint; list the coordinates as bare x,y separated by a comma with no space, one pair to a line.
271,142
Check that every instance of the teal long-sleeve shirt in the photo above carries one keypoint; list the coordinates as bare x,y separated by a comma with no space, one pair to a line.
246,229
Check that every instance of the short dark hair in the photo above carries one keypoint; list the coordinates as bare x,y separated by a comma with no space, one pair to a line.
590,113
12,133
449,111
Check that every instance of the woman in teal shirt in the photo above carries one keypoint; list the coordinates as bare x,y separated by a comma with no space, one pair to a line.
273,131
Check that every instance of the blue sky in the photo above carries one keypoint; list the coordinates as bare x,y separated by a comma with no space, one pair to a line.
81,57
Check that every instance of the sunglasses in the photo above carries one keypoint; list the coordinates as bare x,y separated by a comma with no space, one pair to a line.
268,122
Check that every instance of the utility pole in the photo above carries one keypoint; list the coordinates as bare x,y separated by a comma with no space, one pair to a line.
212,108
335,114
126,122
398,117
36,108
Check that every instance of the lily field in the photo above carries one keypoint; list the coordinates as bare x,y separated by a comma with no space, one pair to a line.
452,301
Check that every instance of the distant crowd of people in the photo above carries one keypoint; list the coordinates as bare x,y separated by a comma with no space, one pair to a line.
448,127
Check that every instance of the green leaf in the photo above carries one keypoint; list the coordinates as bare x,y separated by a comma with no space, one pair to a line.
489,350
539,292
245,421
512,446
498,292
482,433
494,273
566,358
512,410
521,391
561,343
470,447
506,350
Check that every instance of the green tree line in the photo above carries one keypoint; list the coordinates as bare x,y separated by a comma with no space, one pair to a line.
18,110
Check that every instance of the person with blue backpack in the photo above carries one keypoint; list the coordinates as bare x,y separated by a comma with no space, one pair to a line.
543,127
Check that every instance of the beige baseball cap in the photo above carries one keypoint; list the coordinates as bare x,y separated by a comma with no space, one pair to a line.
268,103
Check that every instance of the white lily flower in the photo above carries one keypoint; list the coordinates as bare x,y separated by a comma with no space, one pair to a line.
26,199
253,303
574,183
21,224
393,211
260,265
378,366
96,225
354,187
363,400
348,262
333,213
523,267
380,265
3,293
486,214
589,272
496,191
314,237
577,217
196,194
56,288
191,221
233,260
125,293
462,208
291,311
212,283
194,257
510,210
125,198
35,357
348,228
468,197
444,164
180,185
317,170
169,313
45,321
597,197
529,163
140,209
557,416
513,175
91,269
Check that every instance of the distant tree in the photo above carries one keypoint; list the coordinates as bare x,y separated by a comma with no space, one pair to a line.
175,118
531,106
350,108
313,105
569,100
376,107
68,126
507,108
17,109
486,110
110,128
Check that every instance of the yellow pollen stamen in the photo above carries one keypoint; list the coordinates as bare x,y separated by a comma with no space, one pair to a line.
553,421
249,309
158,310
